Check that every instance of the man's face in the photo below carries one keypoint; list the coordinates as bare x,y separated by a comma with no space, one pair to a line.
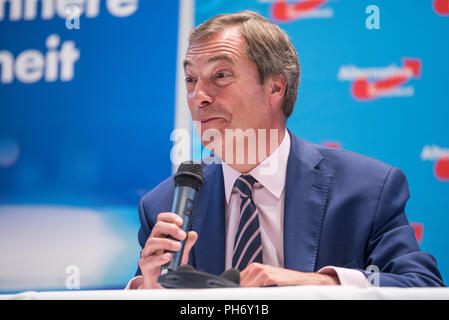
223,85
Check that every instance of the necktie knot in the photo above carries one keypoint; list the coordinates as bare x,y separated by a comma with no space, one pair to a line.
245,184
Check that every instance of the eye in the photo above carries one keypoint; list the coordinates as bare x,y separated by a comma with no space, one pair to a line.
189,80
222,77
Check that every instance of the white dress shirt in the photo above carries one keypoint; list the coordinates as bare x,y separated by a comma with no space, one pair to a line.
268,195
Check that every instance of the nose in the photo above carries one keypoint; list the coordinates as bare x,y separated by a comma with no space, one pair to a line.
201,96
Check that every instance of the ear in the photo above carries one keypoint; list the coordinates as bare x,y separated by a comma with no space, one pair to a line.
278,85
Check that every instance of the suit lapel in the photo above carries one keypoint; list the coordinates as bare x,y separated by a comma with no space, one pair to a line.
208,221
306,193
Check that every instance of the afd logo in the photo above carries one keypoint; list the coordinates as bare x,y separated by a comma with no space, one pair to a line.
378,82
419,230
441,7
441,157
332,144
288,11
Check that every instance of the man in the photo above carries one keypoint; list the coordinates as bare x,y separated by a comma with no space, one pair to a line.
299,214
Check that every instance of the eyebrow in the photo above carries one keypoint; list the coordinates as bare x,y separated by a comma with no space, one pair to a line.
221,57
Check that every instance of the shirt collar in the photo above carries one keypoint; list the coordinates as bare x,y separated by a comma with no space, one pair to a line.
271,173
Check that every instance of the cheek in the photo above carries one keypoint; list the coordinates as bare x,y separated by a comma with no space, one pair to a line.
253,105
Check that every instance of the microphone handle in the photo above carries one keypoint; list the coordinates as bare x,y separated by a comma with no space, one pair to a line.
176,258
183,203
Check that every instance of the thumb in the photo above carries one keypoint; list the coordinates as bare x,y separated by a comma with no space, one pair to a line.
192,236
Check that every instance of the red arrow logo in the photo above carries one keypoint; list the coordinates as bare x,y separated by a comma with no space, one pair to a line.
419,230
285,12
441,169
332,144
441,7
364,90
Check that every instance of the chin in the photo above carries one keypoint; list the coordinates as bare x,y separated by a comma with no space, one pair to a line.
214,125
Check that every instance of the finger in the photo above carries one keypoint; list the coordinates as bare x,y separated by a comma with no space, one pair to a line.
151,269
251,268
170,217
252,280
246,277
164,229
192,236
153,263
156,245
254,275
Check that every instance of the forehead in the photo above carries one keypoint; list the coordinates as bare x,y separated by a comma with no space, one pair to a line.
227,45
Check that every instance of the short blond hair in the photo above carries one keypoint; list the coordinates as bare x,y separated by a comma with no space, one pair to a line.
267,45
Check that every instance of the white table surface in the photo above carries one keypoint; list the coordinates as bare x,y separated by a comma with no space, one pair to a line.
274,293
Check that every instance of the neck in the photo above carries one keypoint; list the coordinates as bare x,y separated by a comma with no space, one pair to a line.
244,157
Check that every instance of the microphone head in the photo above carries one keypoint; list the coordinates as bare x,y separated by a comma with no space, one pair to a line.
189,174
232,275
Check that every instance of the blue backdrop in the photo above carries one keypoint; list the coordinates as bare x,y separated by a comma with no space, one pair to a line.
86,116
77,152
376,87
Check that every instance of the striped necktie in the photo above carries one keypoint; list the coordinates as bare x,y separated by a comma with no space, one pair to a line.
247,242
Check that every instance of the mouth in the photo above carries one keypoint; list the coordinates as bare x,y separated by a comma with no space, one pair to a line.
208,120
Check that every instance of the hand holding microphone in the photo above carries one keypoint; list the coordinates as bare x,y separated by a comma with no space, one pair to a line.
170,240
155,253
163,254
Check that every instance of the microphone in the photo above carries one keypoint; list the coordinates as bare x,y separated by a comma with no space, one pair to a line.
188,182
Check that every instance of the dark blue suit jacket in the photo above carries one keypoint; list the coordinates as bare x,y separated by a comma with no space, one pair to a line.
341,209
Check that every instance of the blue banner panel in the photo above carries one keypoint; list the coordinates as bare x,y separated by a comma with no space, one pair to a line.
87,91
374,77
